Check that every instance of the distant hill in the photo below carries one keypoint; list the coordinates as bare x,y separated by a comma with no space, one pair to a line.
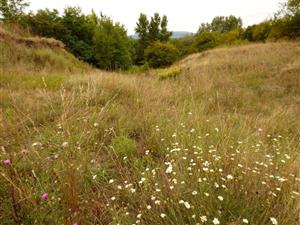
176,34
180,34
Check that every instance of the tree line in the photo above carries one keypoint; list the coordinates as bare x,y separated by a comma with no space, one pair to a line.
100,41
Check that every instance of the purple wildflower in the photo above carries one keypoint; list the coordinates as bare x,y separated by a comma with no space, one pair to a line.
6,162
45,196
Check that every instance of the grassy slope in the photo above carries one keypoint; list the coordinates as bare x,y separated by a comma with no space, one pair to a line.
25,61
99,143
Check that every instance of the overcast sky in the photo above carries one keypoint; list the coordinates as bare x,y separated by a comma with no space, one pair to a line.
183,15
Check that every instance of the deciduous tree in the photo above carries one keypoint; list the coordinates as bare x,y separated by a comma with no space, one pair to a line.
12,10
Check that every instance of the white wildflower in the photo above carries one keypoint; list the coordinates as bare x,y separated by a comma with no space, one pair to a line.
169,169
229,177
194,193
187,205
65,144
245,221
35,144
216,221
274,221
203,219
110,181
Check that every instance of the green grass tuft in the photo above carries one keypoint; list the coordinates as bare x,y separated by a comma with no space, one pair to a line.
124,146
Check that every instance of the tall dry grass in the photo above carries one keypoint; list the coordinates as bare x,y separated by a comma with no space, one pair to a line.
218,143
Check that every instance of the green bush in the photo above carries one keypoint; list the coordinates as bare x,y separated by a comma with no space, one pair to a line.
287,24
139,69
161,54
170,73
259,32
207,40
124,146
231,37
287,27
185,45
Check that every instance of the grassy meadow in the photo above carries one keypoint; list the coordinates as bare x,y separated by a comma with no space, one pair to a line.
216,144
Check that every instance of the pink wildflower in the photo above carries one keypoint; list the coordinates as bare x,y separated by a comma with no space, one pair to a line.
45,196
6,162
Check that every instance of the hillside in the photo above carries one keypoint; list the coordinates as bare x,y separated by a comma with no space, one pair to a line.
218,144
35,54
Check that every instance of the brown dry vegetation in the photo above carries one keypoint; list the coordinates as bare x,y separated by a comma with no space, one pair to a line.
33,42
98,142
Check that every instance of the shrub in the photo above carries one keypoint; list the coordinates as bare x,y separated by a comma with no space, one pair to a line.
259,32
206,40
161,54
231,37
170,73
287,23
185,45
139,69
124,146
287,27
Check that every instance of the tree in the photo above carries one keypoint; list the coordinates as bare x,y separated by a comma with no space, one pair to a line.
77,24
204,27
73,28
160,54
154,28
258,32
223,24
164,33
142,29
111,45
46,23
93,20
286,23
292,7
12,10
80,31
221,31
149,33
292,18
93,39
